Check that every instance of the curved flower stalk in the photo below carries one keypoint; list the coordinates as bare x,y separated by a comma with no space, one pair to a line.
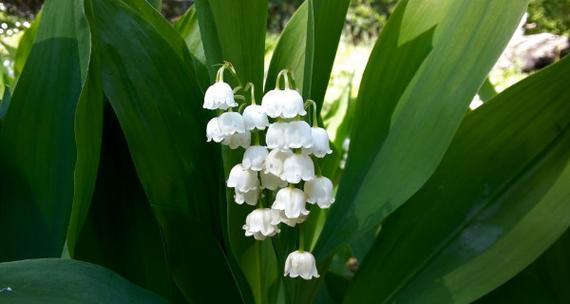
279,163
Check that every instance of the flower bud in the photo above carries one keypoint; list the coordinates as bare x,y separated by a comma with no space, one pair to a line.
291,201
254,158
320,143
255,118
219,96
231,123
271,182
319,191
238,140
298,167
275,160
261,223
250,197
283,103
298,135
301,263
242,179
213,131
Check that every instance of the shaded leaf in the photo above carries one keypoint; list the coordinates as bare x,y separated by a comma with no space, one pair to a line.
162,120
546,280
38,141
67,281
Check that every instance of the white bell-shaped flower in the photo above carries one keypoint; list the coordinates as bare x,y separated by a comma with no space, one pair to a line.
242,179
283,103
261,223
255,118
298,135
319,191
291,201
219,96
213,131
275,137
271,182
231,123
254,158
238,140
275,160
301,264
292,222
320,141
250,197
298,167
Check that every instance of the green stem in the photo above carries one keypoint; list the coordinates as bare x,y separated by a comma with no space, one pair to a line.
301,238
285,75
313,104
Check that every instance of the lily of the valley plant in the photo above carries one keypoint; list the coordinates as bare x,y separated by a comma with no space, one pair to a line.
151,161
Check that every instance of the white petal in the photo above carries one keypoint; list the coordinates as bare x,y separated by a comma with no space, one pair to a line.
231,123
254,158
255,118
261,223
271,182
242,179
301,263
275,160
213,131
270,103
250,197
276,138
238,140
298,135
292,104
291,201
320,143
298,167
319,191
219,96
292,222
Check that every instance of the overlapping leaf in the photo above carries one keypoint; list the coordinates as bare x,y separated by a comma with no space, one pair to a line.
499,199
157,101
38,141
427,65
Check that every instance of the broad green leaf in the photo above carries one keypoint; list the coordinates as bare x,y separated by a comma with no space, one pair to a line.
234,31
425,68
120,231
38,141
62,281
499,198
25,45
324,26
189,29
289,52
544,281
164,126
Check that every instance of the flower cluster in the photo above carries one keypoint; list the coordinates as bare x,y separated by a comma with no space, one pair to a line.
277,172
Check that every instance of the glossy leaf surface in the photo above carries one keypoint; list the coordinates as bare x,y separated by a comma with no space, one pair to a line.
498,200
426,66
